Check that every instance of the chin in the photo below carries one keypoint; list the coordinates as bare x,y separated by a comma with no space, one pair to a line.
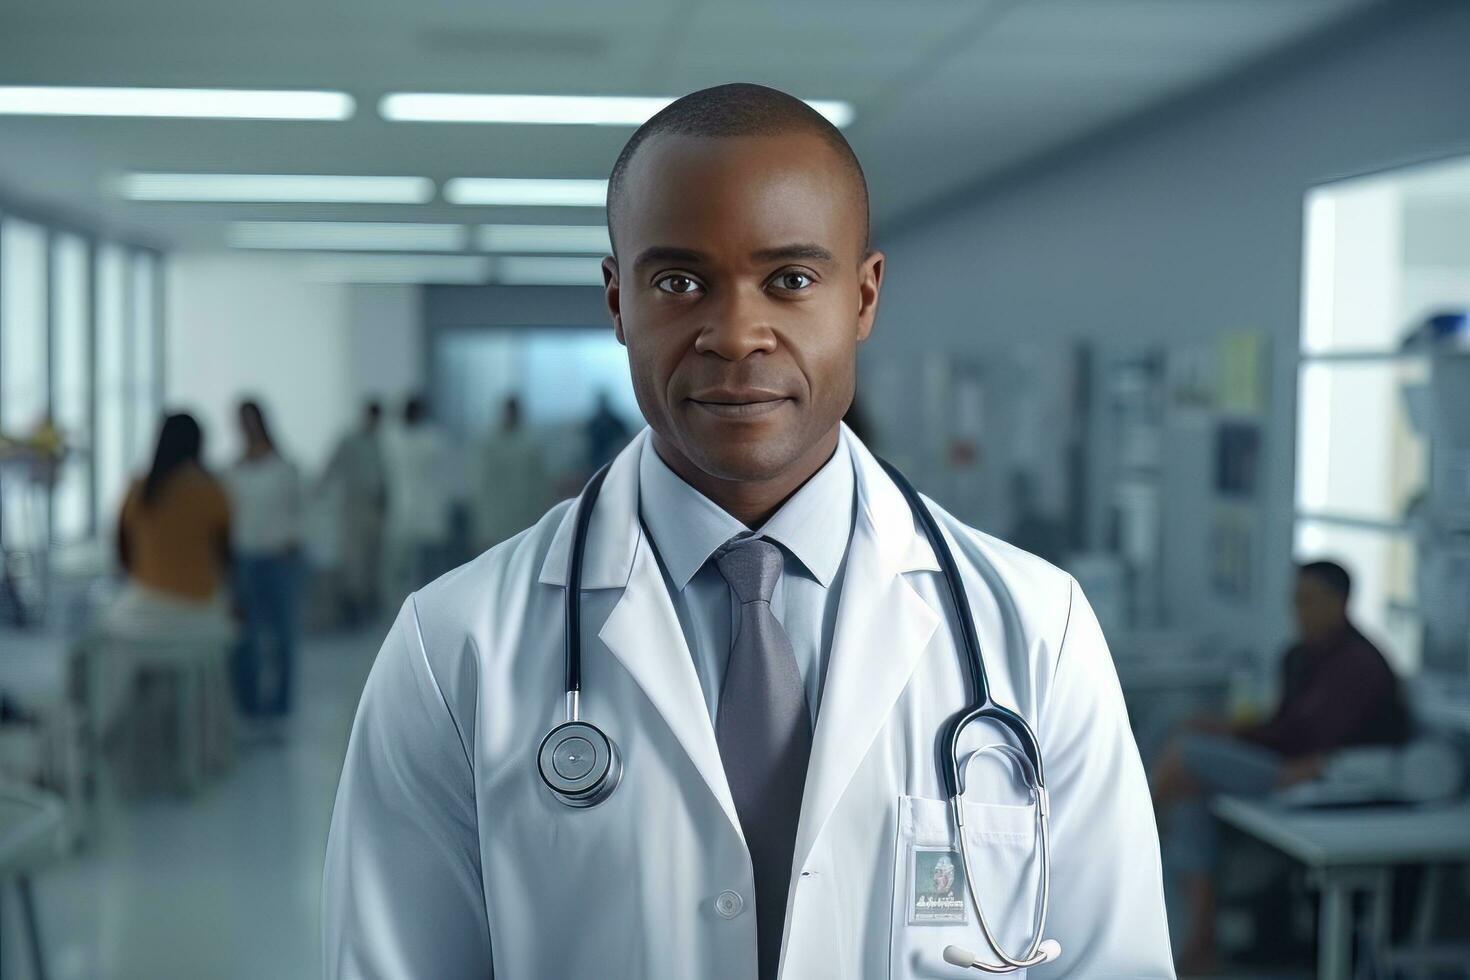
748,460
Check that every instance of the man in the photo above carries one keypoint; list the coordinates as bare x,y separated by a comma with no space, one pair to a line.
355,475
606,433
1337,691
510,486
766,638
421,489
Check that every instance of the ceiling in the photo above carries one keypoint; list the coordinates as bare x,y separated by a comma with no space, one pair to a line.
947,92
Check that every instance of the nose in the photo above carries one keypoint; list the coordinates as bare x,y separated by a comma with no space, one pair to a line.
737,327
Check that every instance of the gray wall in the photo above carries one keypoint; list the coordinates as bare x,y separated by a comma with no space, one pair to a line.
449,307
1182,227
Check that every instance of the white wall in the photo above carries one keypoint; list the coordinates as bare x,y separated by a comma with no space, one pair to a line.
1179,229
386,334
245,324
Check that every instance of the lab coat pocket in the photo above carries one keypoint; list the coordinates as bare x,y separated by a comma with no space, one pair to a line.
932,907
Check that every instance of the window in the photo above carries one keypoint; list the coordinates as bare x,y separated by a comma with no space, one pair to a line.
556,373
24,389
1383,253
79,349
71,387
112,462
142,359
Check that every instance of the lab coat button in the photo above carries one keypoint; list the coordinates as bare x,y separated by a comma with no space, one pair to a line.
729,904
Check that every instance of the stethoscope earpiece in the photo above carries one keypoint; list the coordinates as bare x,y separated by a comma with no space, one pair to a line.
579,764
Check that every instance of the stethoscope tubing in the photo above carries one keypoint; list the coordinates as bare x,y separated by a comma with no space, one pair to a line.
981,707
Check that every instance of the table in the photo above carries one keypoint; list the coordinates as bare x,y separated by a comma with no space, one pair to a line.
1350,850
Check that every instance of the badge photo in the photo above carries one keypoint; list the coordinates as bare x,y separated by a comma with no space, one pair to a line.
936,886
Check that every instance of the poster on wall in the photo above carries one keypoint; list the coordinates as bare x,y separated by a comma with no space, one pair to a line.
1237,459
1242,383
1231,550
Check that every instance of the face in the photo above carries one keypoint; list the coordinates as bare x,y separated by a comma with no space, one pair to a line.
943,879
741,290
1319,610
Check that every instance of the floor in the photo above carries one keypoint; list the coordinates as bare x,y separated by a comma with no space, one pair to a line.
226,885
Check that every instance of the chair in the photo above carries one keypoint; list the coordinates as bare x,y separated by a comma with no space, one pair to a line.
31,822
193,677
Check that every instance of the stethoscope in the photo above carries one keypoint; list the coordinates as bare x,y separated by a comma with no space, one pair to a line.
581,765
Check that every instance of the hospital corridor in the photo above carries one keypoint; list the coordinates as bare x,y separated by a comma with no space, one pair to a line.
660,490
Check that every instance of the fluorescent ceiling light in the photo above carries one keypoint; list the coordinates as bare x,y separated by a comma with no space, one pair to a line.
196,103
385,236
543,238
544,270
452,269
276,188
586,110
526,191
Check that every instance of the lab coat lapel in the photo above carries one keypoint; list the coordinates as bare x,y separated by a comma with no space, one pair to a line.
883,627
643,632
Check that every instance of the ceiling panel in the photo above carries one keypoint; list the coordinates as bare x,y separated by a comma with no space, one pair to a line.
1052,71
946,91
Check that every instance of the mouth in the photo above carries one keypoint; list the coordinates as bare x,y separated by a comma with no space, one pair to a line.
739,404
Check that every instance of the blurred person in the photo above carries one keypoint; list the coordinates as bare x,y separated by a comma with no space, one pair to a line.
421,489
173,536
509,485
265,490
748,566
1337,691
173,543
356,475
1032,529
606,433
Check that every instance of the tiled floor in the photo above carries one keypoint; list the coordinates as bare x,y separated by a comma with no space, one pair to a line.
222,886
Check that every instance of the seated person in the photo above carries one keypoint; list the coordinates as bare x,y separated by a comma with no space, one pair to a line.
1337,691
173,541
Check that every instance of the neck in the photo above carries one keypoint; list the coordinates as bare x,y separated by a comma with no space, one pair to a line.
751,502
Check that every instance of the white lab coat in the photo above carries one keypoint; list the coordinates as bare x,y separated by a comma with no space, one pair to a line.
448,858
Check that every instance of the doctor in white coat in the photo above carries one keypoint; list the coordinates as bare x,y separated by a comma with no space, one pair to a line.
766,639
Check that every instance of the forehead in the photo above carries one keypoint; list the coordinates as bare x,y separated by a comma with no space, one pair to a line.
715,194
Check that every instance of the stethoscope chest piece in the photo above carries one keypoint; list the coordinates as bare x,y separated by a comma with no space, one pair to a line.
579,764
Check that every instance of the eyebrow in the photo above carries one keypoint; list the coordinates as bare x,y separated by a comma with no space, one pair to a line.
815,253
669,253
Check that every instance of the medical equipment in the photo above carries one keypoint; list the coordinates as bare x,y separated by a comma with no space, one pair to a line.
581,766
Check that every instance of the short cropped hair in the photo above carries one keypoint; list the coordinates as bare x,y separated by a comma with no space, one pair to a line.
1330,574
735,109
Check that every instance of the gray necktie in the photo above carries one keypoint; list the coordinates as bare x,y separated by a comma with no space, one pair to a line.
764,733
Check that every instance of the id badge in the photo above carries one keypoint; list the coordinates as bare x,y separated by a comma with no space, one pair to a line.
936,893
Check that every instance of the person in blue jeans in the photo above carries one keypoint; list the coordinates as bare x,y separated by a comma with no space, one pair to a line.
265,491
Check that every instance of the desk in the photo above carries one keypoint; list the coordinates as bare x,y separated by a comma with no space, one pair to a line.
1352,850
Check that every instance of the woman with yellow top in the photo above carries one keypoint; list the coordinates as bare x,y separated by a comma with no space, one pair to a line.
173,542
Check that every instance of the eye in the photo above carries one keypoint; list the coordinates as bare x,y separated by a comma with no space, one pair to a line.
677,283
793,280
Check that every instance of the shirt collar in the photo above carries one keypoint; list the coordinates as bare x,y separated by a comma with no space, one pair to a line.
814,524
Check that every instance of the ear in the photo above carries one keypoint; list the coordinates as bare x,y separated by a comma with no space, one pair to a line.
612,297
870,284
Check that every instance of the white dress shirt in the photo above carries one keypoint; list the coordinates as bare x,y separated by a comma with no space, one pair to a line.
266,505
813,528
